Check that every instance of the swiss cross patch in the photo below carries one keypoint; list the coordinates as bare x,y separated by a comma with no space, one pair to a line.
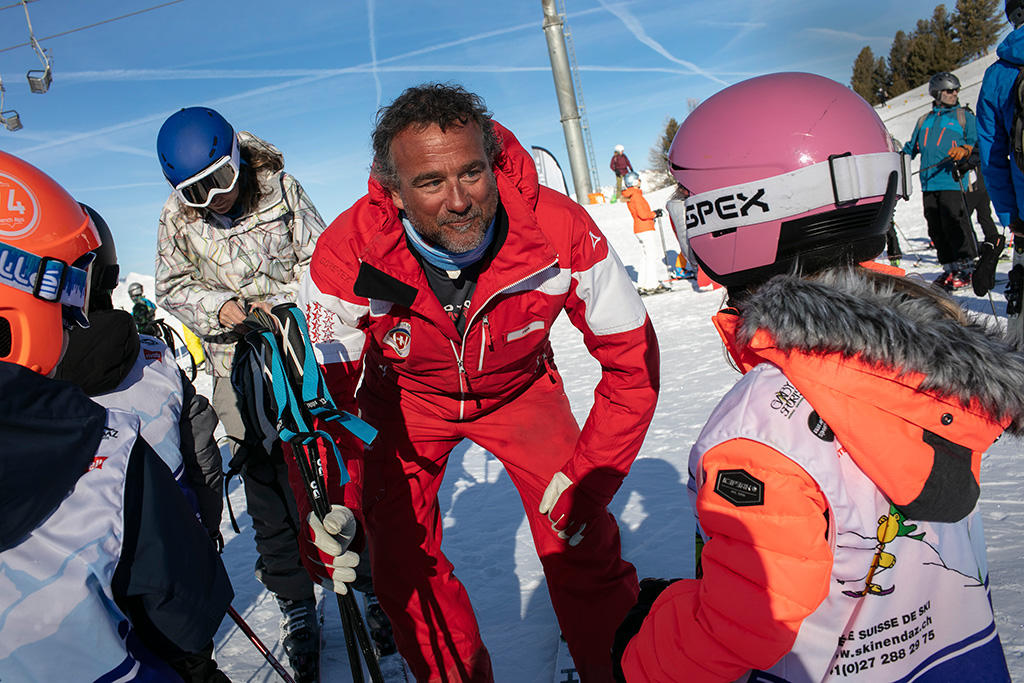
739,488
400,339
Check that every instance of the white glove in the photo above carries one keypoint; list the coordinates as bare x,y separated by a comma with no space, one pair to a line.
331,538
558,508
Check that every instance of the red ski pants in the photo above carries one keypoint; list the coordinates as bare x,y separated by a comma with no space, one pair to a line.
591,586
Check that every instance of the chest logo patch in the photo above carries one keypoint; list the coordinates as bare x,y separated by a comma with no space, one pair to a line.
399,338
739,488
819,427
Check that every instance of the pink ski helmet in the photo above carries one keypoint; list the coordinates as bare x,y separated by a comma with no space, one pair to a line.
781,171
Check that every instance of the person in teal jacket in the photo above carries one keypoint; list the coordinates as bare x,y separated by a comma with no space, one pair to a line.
942,137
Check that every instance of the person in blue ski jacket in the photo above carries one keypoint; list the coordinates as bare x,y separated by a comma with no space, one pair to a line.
996,112
942,137
104,572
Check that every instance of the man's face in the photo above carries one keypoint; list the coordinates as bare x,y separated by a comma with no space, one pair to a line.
445,184
948,97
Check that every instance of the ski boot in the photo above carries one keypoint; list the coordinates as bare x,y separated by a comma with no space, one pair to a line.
944,280
300,635
959,280
379,626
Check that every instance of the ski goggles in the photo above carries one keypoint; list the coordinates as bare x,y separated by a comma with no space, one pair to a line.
217,178
841,180
50,279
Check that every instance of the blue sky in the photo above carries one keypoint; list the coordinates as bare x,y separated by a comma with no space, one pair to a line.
309,77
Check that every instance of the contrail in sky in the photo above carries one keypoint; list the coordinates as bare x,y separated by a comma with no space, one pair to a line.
373,47
633,24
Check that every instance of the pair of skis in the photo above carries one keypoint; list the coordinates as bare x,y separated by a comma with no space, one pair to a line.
281,344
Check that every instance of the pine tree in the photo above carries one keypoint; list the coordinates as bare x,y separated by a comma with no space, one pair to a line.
899,79
977,24
658,156
881,80
948,53
932,48
862,81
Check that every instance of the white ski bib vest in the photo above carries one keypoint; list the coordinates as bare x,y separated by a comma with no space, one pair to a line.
926,603
58,620
152,390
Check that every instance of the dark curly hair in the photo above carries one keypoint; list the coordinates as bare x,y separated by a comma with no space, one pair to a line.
445,104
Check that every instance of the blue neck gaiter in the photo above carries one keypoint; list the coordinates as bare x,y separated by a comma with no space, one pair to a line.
442,258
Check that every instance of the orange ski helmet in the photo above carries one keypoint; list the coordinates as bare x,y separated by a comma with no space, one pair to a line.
46,240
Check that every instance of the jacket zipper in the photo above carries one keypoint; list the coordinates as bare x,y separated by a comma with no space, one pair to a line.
462,381
461,351
485,342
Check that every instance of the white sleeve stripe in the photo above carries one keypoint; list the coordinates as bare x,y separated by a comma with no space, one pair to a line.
611,302
332,323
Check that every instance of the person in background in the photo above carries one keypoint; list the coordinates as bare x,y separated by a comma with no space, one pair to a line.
821,552
1004,178
435,295
620,167
106,574
236,232
651,270
143,311
945,135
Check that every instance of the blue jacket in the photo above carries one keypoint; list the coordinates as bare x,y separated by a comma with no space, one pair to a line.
933,138
996,106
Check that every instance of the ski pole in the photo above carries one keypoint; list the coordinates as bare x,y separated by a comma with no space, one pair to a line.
926,168
291,344
255,639
664,248
351,620
917,256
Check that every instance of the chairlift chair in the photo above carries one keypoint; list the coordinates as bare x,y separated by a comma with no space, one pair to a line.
10,119
39,79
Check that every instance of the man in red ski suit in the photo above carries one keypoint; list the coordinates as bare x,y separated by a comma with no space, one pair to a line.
439,288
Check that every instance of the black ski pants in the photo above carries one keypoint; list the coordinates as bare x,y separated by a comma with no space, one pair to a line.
271,505
980,205
949,226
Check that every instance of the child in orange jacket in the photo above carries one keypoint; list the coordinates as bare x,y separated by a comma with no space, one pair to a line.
651,264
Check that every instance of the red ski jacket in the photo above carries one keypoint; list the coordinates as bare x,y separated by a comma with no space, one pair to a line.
371,312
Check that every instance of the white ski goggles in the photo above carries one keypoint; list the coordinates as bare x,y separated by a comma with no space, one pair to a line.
217,178
841,180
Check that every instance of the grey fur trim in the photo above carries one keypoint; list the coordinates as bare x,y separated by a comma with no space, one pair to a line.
843,310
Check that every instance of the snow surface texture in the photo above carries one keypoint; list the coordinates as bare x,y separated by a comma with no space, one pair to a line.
486,535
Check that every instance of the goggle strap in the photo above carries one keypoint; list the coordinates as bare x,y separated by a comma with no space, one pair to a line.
44,277
841,180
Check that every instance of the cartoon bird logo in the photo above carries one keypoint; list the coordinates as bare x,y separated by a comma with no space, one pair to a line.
890,527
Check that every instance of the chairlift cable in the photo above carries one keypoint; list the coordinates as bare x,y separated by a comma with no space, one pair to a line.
93,25
16,4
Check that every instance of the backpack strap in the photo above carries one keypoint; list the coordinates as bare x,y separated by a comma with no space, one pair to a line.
282,360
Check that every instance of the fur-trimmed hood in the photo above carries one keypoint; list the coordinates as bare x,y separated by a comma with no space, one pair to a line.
844,311
911,393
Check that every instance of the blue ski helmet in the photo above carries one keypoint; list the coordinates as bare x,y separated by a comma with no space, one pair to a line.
190,140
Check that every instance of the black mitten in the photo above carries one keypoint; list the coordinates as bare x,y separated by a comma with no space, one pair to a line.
984,278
